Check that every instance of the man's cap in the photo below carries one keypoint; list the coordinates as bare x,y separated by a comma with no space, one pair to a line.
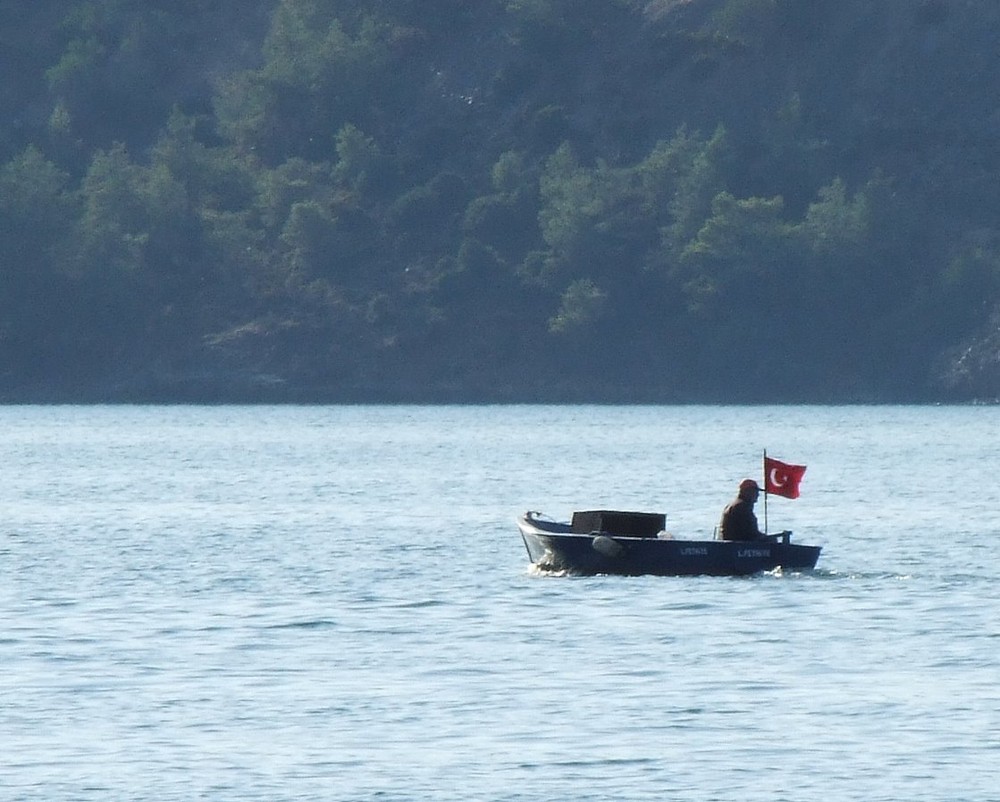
749,484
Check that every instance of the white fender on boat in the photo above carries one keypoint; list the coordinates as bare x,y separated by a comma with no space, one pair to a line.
608,546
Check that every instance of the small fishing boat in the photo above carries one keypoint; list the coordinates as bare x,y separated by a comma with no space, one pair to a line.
634,543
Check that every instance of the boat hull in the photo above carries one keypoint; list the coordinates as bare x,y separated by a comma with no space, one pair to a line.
552,546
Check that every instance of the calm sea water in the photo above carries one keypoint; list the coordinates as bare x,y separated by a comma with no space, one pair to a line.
333,603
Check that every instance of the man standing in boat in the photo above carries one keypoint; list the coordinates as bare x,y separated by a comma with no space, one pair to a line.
738,519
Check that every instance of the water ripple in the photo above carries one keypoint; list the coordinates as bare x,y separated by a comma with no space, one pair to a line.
333,603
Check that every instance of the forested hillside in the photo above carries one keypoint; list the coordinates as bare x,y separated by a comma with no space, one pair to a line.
499,200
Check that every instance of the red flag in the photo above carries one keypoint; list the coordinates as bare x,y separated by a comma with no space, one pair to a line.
781,478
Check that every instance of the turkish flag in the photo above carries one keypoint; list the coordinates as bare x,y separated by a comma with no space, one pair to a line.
782,479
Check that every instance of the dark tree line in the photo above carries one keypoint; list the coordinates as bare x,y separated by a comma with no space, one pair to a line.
567,200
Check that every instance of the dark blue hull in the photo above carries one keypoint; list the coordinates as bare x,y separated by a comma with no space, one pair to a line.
554,546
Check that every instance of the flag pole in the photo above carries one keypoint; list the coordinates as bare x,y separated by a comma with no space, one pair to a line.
764,471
